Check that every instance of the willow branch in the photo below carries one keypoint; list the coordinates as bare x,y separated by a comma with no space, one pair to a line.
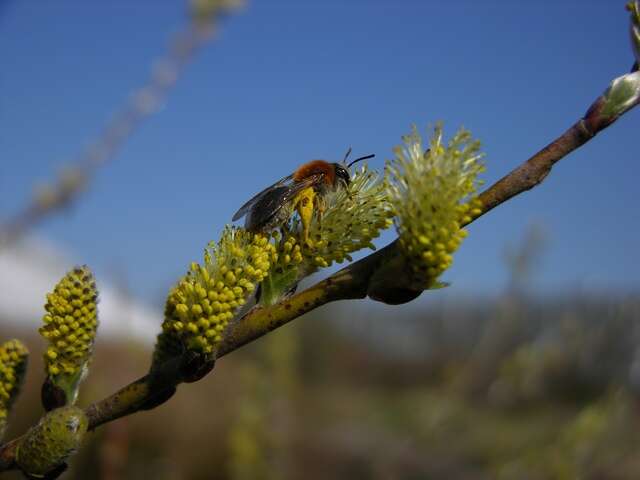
362,278
355,280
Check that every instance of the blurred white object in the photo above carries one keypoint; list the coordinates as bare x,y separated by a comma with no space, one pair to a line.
30,269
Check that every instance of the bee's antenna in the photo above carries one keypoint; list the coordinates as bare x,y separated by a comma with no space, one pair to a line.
361,158
346,155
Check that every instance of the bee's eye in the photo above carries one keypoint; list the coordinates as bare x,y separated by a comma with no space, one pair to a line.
342,174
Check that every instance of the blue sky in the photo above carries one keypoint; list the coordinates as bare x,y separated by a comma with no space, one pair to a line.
287,81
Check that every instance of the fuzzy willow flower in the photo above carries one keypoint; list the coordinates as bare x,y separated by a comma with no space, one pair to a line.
355,217
203,302
55,438
13,366
352,219
70,326
432,194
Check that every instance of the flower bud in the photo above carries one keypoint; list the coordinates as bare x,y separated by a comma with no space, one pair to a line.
52,441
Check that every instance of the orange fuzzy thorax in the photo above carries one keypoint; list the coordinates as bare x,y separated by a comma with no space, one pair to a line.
315,167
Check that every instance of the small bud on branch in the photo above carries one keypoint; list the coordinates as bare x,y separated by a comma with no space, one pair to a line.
55,438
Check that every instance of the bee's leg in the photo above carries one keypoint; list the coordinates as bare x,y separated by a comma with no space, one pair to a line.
304,206
306,214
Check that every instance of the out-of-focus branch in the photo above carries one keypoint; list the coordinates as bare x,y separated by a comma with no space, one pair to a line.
78,174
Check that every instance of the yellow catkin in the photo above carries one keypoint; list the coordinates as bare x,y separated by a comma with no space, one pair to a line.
432,191
70,323
13,364
203,302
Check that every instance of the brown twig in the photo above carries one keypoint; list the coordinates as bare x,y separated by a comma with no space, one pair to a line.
532,172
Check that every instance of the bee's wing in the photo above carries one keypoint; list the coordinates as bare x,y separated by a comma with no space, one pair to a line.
242,211
273,200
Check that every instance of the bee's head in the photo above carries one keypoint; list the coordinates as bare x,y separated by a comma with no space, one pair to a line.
342,175
342,169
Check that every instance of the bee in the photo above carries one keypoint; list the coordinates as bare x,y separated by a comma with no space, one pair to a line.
304,191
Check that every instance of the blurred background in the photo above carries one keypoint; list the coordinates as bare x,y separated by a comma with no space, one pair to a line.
130,132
